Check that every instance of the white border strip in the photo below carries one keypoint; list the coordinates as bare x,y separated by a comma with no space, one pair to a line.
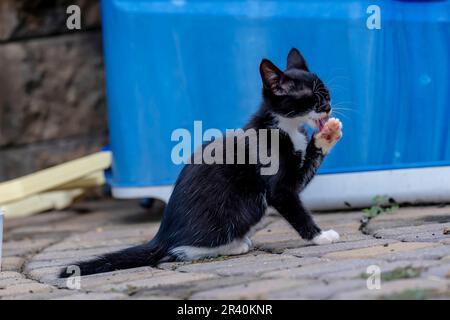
159,192
355,189
416,185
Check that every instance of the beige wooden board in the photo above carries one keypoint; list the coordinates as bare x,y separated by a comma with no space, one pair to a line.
92,180
41,202
53,177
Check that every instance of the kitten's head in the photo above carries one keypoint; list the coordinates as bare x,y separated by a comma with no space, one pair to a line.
296,92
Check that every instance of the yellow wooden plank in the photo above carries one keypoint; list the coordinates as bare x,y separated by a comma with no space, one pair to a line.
92,180
53,177
39,203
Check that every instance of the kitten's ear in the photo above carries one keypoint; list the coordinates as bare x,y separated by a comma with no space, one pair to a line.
272,77
296,60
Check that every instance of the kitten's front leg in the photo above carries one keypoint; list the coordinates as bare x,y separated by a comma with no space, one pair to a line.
287,201
288,204
318,147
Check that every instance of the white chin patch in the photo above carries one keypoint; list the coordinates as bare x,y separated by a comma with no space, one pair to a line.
326,237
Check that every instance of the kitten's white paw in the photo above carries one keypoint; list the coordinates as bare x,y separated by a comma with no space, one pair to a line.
242,248
331,132
249,242
326,237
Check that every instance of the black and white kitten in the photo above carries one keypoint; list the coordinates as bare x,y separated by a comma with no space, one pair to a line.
214,207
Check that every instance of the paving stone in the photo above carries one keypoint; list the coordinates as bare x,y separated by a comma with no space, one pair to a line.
185,291
10,274
151,297
318,290
24,247
299,271
82,244
323,268
120,232
12,263
275,233
331,219
379,250
26,287
410,216
414,233
44,274
39,219
251,290
277,245
279,236
76,254
5,283
42,295
385,267
248,265
99,221
38,232
116,206
277,227
314,250
168,278
421,254
425,237
94,296
40,264
101,234
114,277
395,289
441,271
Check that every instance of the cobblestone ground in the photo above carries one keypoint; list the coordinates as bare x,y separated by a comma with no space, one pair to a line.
411,247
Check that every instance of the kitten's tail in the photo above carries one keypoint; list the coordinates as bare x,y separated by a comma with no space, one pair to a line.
148,254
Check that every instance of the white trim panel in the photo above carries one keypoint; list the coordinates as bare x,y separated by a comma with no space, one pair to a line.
416,185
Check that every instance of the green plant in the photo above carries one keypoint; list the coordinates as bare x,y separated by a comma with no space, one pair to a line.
380,204
397,274
401,273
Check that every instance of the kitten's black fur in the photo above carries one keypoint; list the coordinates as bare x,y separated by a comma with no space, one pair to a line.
212,205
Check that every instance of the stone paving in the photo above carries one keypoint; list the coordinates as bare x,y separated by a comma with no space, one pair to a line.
411,248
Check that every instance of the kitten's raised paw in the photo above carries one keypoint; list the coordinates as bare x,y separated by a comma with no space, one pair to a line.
326,237
331,132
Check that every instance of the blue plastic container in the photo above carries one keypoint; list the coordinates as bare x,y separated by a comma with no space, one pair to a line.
169,63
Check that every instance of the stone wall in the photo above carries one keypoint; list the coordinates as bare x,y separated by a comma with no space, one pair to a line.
52,97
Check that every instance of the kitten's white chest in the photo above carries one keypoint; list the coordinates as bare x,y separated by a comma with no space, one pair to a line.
298,140
290,126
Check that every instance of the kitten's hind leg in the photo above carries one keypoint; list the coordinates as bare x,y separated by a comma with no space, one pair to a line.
189,253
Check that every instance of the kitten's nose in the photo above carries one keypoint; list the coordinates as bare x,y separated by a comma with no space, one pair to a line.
327,108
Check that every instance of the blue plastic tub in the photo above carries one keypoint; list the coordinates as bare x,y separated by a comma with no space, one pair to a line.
169,63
